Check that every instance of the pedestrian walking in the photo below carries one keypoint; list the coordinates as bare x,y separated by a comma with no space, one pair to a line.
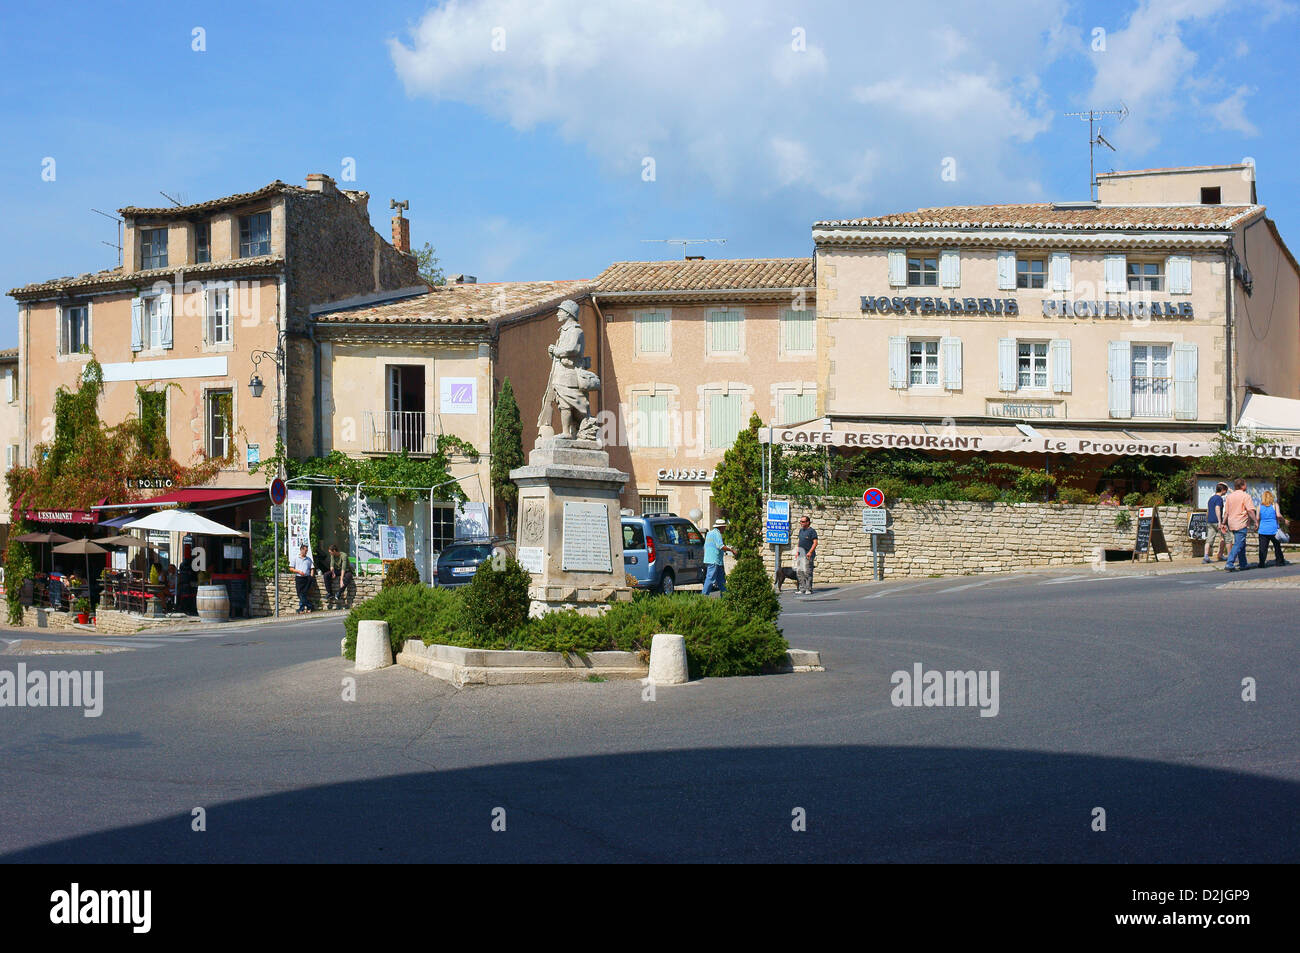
1216,529
1269,520
715,573
805,556
302,570
1239,514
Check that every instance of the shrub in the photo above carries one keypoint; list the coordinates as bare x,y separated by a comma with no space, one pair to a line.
496,601
81,605
401,572
1123,520
749,591
1133,499
718,642
1033,484
1074,494
412,612
567,631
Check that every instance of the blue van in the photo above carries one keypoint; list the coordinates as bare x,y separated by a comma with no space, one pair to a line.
662,552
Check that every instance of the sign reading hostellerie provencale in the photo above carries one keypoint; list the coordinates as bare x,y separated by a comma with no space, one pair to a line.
1052,307
586,538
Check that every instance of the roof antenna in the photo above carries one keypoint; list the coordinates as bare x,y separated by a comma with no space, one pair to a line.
175,202
1097,139
118,246
685,242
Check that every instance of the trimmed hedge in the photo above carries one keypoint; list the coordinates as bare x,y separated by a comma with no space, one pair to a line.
720,640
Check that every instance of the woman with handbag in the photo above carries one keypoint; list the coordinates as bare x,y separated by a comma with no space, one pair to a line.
1270,530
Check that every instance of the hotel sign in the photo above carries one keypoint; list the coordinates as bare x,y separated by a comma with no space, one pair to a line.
1010,307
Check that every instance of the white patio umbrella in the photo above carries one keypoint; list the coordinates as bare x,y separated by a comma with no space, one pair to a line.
181,521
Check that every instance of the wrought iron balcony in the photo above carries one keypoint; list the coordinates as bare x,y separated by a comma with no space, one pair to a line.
392,431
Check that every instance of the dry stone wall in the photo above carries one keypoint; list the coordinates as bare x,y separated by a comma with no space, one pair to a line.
959,538
262,594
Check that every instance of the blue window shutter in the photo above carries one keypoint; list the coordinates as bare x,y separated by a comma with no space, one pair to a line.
1059,266
950,268
897,268
166,305
1006,364
897,361
137,324
1006,271
950,351
1059,358
1121,383
1178,274
1116,280
1185,381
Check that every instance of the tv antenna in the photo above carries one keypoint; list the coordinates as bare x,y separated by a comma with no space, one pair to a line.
686,242
175,202
118,244
1095,138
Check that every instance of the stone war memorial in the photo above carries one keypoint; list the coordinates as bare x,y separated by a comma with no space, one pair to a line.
570,535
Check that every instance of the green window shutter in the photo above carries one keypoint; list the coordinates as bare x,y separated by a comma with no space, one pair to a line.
652,332
798,331
724,330
724,420
652,422
797,408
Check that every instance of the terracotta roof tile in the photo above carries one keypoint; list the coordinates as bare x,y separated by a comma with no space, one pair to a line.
212,205
1046,215
483,304
9,353
111,277
708,275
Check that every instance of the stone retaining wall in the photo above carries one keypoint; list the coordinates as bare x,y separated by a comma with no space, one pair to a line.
262,594
959,538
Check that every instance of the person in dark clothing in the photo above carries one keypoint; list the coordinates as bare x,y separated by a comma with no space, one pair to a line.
1216,528
805,555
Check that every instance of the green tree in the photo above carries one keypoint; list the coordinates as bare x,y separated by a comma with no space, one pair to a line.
507,450
427,263
738,492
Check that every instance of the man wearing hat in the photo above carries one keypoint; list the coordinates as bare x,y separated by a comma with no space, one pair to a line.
715,576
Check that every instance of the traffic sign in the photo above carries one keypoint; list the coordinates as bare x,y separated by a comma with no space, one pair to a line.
278,491
277,513
874,521
873,497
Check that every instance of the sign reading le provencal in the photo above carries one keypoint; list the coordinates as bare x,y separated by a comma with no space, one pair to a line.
1052,308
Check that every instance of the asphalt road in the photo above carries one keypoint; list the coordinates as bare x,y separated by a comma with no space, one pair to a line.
1121,693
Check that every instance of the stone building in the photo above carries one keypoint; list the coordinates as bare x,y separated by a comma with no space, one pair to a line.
11,436
1133,325
200,289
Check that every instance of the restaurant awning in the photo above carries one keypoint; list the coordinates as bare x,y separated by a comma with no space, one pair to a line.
1273,414
197,496
1011,438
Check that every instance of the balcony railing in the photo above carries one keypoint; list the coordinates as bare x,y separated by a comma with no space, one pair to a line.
1153,396
392,431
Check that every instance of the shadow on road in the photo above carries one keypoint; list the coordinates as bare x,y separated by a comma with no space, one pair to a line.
736,804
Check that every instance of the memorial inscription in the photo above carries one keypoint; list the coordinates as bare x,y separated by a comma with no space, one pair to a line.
586,538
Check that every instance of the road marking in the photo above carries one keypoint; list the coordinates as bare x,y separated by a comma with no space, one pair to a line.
969,585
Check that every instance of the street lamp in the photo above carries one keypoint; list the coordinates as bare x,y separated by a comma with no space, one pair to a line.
256,385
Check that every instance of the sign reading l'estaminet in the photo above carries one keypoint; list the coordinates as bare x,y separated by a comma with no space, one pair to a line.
1052,308
586,538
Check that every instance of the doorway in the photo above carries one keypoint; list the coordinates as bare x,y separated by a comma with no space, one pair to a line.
406,411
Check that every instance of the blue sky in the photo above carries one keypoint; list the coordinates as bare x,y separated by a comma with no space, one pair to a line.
520,130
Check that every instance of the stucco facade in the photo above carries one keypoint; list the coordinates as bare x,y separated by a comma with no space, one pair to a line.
11,434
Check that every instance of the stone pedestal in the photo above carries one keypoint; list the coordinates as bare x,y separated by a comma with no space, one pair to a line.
570,532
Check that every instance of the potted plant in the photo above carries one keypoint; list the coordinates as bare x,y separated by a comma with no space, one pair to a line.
154,575
82,608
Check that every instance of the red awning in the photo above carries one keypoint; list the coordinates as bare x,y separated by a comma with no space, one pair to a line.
192,497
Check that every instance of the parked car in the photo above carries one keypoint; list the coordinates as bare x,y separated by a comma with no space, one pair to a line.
456,565
662,552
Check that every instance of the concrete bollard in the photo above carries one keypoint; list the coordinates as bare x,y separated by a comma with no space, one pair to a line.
668,659
373,648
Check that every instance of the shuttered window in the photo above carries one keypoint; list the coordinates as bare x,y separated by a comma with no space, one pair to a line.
219,316
724,420
1179,272
724,330
652,332
796,408
799,331
652,421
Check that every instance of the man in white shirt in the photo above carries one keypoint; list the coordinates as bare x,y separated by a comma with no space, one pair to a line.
302,569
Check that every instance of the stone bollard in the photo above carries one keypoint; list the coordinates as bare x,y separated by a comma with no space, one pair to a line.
373,648
668,659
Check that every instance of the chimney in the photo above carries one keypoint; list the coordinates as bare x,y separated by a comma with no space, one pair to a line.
401,227
320,182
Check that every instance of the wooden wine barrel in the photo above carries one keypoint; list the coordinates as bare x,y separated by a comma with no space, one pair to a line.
213,603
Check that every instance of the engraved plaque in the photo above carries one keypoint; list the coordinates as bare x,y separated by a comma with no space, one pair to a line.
532,558
586,538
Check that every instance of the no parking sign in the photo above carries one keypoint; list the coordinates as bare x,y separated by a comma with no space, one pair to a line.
873,497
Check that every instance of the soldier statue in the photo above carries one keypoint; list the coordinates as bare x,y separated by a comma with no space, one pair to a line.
570,381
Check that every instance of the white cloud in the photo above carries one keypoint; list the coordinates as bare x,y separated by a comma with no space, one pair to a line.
715,92
1231,113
